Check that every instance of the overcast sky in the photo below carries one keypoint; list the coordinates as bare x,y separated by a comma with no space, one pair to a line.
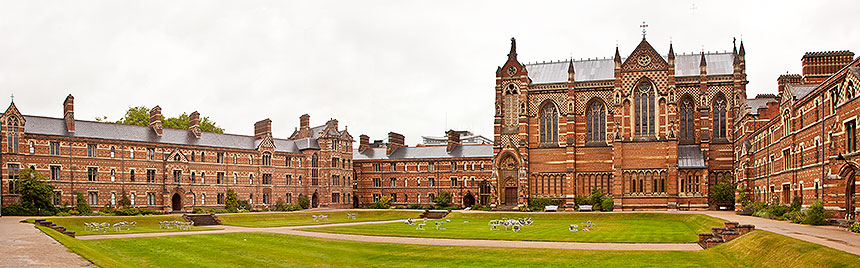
413,67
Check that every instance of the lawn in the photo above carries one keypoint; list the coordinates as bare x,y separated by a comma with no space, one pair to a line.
608,227
277,219
145,224
756,249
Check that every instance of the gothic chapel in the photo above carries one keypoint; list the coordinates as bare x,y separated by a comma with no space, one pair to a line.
649,129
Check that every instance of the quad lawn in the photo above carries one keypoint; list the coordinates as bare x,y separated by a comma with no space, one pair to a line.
756,249
607,227
145,224
277,219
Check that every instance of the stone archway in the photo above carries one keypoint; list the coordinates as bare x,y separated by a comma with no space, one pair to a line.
848,172
176,202
354,201
508,167
315,200
468,200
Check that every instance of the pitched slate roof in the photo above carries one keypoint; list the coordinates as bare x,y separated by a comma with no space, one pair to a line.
690,156
466,151
800,91
758,103
111,131
604,69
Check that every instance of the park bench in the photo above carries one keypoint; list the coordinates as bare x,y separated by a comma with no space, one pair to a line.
550,208
585,208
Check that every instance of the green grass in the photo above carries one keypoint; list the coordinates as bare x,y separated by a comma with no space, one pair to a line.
277,219
756,249
608,227
145,224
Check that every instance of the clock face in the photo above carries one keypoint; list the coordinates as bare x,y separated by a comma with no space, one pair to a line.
644,60
512,71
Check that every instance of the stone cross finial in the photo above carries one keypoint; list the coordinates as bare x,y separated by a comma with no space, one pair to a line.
643,26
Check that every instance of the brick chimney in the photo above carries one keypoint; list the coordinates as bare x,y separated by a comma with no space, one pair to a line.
453,139
305,121
263,128
155,120
363,142
818,66
69,113
333,123
194,124
395,141
785,80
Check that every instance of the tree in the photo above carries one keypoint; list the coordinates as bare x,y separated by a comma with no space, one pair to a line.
36,195
123,202
232,201
723,193
82,206
304,202
139,116
443,199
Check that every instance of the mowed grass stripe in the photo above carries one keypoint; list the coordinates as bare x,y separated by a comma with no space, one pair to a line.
608,227
756,249
278,219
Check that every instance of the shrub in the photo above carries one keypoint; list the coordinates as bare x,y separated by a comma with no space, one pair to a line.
777,210
796,203
18,210
742,197
293,207
815,214
231,201
280,205
443,199
597,196
35,194
607,204
580,200
794,216
304,202
244,205
383,202
723,193
855,227
418,206
82,206
538,204
123,202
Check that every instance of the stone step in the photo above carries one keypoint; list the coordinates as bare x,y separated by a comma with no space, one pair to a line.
202,219
434,214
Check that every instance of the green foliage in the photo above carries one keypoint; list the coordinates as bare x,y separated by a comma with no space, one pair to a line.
35,194
244,205
304,202
280,205
81,205
443,199
139,116
106,211
383,202
581,200
539,204
796,204
723,192
597,196
123,202
815,214
742,197
415,206
607,204
231,202
855,227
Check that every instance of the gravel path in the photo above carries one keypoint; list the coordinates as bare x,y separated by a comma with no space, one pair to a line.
25,246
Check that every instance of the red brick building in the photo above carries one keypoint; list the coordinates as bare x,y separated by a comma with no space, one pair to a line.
789,145
176,169
415,175
651,129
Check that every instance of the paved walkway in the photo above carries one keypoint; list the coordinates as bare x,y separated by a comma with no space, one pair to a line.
830,236
22,245
292,230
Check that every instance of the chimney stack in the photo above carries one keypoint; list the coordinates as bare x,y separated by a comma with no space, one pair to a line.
69,113
363,142
453,139
395,140
818,66
333,123
194,124
305,121
263,128
155,120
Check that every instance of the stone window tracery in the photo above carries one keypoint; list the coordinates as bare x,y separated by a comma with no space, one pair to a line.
595,122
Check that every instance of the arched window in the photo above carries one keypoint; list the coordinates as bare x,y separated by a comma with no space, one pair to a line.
595,126
786,127
719,113
685,118
549,124
267,159
12,133
314,160
32,147
644,109
112,152
511,104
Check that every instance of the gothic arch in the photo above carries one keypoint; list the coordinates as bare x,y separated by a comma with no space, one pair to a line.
849,173
548,115
595,120
687,118
644,98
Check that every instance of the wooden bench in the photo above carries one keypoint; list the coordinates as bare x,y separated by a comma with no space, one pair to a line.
585,208
550,208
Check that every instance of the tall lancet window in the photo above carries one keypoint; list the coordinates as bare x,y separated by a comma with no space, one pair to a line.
685,118
719,113
549,124
511,104
12,132
644,105
595,122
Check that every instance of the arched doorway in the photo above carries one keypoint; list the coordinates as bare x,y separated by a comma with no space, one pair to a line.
848,172
315,200
468,200
177,202
508,168
355,201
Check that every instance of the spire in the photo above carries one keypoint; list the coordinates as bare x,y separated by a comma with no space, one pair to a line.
734,46
741,51
513,54
570,67
702,62
671,51
617,55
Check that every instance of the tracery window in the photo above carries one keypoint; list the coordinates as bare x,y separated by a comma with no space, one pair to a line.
686,118
595,123
644,109
511,104
549,124
12,133
719,113
786,129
